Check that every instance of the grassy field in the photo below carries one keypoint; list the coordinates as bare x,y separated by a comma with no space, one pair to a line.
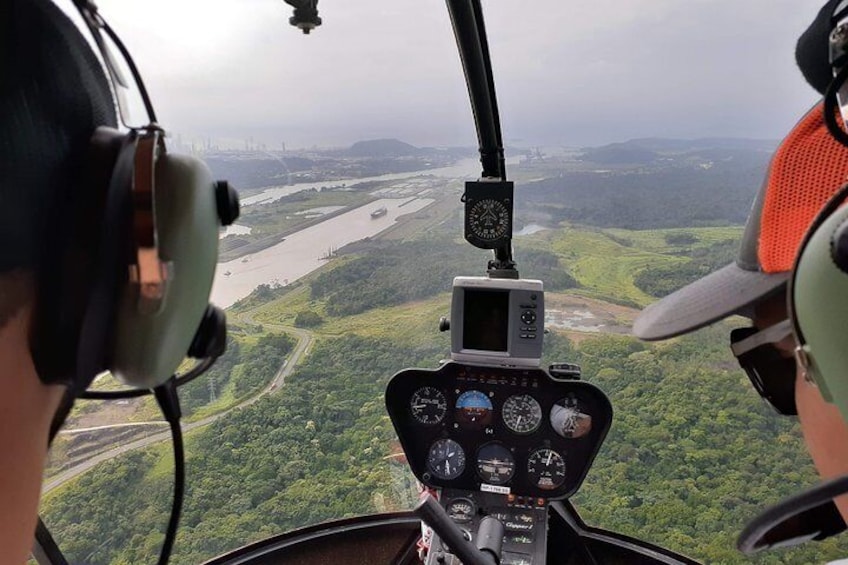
605,262
287,211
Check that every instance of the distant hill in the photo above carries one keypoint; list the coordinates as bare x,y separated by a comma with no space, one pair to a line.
620,154
656,183
382,148
664,144
668,145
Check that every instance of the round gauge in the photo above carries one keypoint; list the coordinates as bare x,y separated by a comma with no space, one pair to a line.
570,419
473,409
489,219
446,459
546,469
428,405
495,464
522,414
461,510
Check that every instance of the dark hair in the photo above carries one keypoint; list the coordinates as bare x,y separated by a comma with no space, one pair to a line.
53,95
812,53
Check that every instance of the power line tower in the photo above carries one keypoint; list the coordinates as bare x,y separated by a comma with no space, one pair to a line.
213,394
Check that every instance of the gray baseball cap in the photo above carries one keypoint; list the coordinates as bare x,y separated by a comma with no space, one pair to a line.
806,170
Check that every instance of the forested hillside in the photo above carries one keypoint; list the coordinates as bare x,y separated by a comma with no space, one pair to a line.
693,453
664,279
393,273
706,187
309,455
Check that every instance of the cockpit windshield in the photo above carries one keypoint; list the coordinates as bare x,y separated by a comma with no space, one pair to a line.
636,133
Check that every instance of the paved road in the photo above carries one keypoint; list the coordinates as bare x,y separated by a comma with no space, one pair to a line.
304,341
112,426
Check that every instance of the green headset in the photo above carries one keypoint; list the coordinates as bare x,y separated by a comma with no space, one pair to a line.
139,305
818,310
817,304
817,288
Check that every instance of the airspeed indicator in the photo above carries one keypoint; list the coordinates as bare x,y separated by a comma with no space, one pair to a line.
428,405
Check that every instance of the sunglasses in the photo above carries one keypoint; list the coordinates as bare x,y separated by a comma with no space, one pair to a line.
771,373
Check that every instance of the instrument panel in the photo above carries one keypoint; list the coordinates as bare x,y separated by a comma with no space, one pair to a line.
494,429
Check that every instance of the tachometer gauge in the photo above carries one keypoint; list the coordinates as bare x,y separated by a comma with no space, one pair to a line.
428,405
473,409
495,464
570,419
461,510
522,414
446,459
546,469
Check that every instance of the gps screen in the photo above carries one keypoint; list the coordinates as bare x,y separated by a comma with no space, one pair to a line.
486,320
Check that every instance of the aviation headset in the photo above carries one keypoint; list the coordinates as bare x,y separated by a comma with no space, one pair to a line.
817,305
818,310
154,223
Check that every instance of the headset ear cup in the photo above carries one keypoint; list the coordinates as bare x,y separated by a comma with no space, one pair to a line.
210,340
819,307
150,346
839,247
69,266
228,202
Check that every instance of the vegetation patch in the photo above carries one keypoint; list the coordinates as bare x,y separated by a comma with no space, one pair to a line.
391,273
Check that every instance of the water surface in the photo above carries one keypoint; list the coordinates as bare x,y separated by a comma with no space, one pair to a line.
304,251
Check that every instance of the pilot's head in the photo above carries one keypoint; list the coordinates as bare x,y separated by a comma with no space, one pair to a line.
805,173
53,95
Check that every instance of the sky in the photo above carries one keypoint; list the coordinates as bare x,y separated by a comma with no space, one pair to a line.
567,72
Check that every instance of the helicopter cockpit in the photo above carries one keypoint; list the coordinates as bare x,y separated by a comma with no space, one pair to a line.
497,440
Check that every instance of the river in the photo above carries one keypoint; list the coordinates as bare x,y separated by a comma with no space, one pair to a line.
304,251
464,169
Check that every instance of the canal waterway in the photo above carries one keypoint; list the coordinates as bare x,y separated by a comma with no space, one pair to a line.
304,251
468,169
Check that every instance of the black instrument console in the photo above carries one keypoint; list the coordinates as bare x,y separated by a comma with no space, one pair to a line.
499,442
507,431
525,522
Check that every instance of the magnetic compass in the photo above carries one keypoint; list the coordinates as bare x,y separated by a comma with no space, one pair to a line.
488,213
488,219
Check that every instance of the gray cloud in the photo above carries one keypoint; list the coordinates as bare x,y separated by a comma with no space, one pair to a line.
567,71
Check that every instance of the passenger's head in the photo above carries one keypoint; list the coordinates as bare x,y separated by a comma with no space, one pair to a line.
53,95
805,173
